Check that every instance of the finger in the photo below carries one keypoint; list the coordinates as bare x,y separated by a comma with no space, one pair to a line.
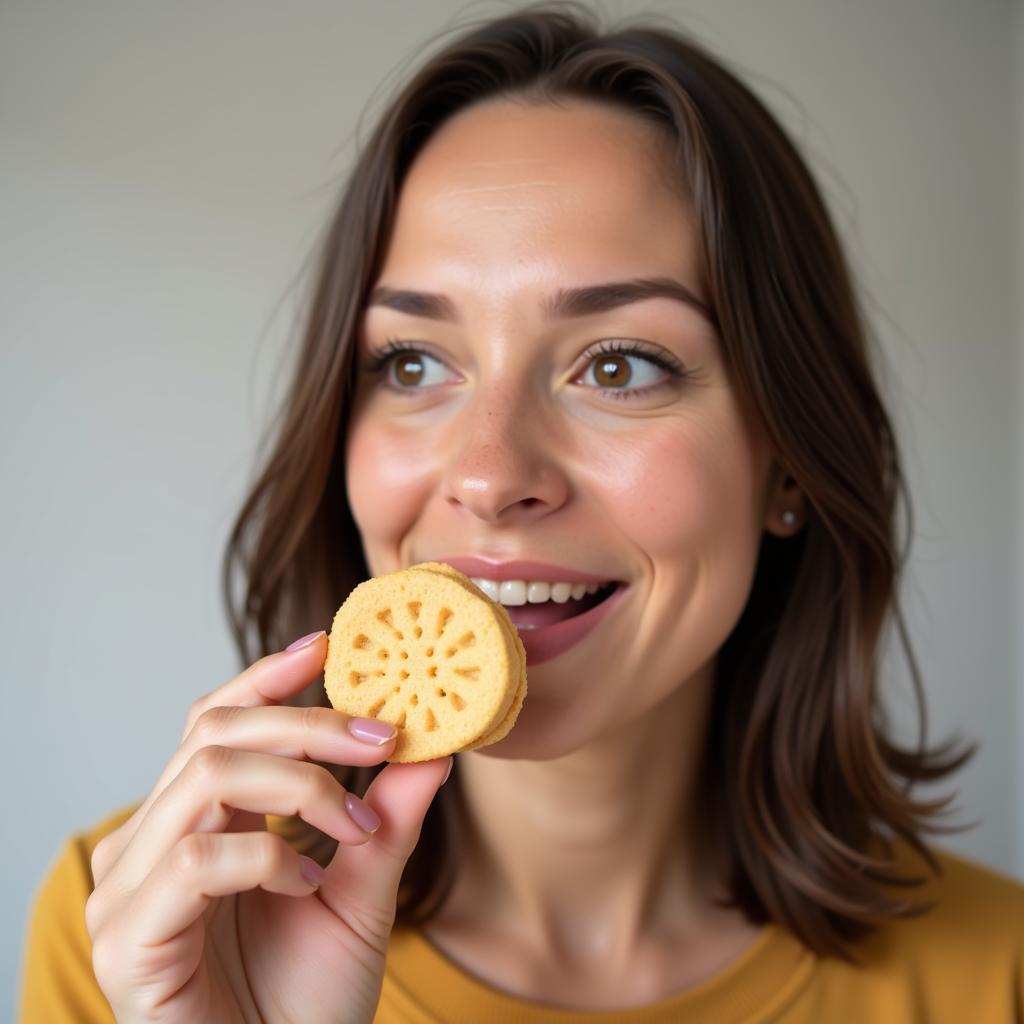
215,783
171,900
366,878
312,734
271,679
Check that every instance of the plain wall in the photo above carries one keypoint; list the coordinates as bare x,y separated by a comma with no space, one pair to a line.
164,170
1018,289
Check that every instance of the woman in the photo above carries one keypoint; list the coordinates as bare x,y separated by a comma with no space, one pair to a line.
581,316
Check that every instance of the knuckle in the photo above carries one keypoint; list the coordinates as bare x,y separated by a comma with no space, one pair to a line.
271,851
213,723
107,851
106,959
93,914
98,859
209,762
318,782
195,710
314,719
192,853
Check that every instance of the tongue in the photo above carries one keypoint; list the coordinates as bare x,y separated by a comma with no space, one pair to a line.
548,613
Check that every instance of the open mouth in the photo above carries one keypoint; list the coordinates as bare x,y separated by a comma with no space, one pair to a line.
548,613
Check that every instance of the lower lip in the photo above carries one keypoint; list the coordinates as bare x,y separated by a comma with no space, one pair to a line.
546,642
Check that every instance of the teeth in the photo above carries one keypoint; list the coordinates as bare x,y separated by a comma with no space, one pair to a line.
512,592
489,587
520,592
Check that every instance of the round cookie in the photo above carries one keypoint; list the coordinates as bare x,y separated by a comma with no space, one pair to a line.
504,727
426,653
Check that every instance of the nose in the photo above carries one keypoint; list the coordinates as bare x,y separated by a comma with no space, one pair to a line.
501,470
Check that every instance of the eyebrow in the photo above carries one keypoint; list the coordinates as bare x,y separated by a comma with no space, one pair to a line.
566,302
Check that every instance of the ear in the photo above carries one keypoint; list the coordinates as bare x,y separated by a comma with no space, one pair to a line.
786,505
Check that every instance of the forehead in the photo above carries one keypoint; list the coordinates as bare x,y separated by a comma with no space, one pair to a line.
571,186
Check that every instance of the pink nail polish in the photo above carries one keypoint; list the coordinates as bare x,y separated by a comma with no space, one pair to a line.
304,641
311,871
362,814
371,730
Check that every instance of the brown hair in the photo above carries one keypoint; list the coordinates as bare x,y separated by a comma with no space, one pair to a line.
804,786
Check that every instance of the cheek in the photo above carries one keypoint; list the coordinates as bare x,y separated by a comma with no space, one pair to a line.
388,475
684,496
682,482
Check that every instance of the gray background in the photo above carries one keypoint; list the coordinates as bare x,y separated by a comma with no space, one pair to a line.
164,169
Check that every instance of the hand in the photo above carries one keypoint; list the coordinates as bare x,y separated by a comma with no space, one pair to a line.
200,914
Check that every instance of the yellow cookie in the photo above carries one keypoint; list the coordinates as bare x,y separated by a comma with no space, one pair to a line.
504,727
426,653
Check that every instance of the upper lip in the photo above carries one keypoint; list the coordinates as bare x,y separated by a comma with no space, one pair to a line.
519,569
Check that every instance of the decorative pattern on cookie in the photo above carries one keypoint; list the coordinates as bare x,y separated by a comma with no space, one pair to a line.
434,657
504,727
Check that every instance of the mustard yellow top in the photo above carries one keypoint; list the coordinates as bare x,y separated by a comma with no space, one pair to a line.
962,963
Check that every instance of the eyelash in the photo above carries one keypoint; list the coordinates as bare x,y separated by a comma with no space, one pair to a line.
378,361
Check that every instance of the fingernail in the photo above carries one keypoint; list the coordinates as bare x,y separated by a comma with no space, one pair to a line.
305,641
451,765
371,730
311,871
361,814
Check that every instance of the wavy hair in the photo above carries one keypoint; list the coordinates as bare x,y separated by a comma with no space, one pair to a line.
805,787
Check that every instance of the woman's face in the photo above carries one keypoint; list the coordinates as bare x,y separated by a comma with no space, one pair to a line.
517,436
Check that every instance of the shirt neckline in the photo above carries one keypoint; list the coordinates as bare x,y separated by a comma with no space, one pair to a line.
752,988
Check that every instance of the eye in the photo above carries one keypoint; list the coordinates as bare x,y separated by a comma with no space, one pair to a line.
405,366
623,369
618,369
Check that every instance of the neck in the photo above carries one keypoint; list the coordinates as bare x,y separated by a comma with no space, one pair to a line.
587,856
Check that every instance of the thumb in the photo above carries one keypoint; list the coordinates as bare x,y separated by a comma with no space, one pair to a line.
366,877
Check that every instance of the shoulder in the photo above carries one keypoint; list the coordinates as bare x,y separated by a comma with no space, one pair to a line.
57,983
961,953
966,887
966,899
958,956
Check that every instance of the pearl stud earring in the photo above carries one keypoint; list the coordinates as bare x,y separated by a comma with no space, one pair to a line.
789,517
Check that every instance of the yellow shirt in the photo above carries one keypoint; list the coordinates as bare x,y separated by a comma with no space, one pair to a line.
963,962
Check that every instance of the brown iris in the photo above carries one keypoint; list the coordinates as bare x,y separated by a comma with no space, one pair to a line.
409,370
612,370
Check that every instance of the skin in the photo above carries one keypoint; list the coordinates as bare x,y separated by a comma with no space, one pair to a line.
583,841
199,913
